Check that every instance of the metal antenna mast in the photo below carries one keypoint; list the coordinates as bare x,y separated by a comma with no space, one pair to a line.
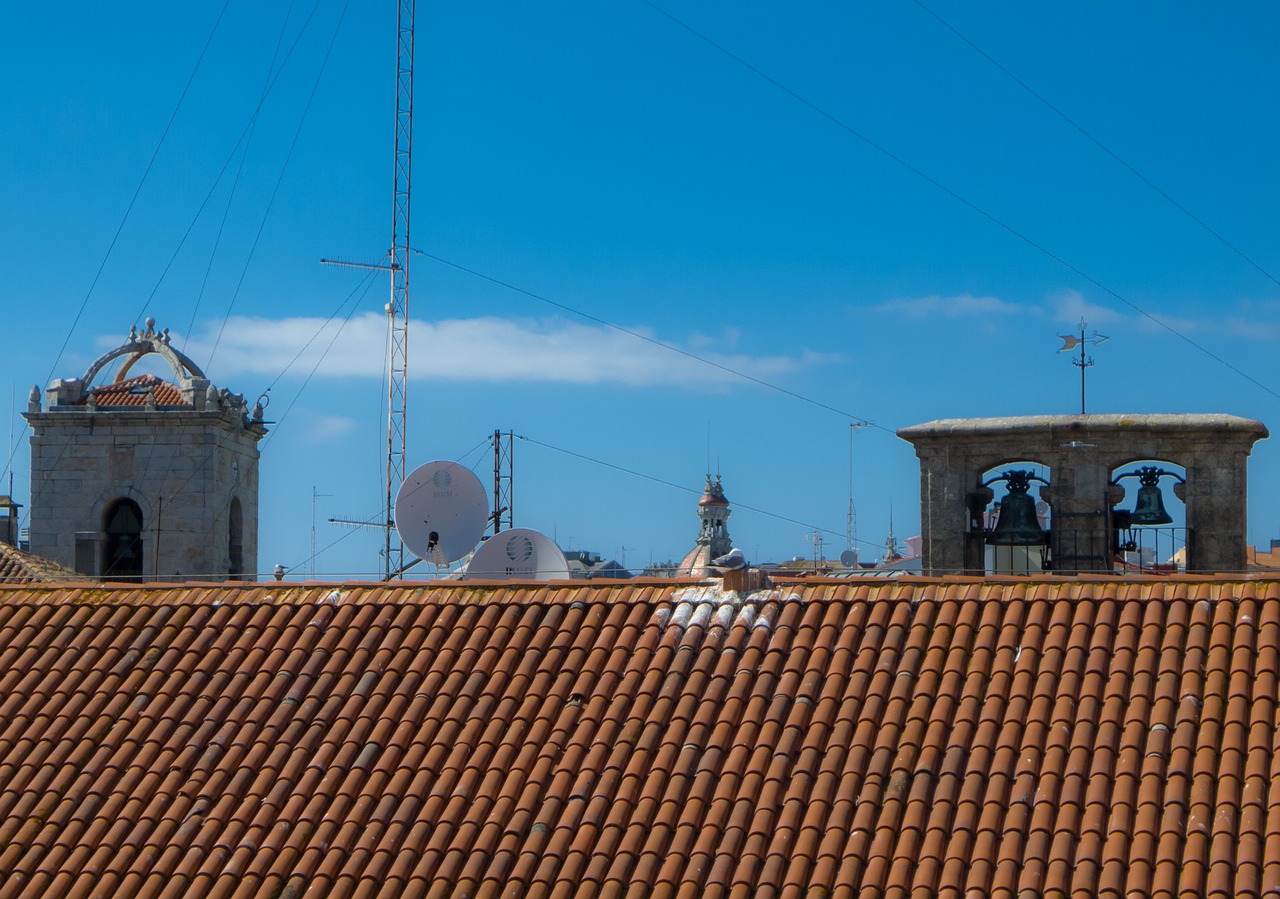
502,483
398,308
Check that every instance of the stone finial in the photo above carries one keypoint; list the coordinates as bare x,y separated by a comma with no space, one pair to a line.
151,399
33,399
133,333
92,402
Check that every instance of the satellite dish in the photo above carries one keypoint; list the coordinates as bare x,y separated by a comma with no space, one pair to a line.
519,554
849,559
441,512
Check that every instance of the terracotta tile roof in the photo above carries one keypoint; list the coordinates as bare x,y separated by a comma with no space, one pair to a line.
956,738
1264,559
17,567
134,391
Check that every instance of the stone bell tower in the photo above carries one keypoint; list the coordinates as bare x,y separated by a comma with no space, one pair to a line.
1085,458
713,533
144,478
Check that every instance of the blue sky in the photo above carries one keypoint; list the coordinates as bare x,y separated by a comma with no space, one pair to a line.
865,206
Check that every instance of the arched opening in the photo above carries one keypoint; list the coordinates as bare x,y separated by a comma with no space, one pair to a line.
122,550
235,538
1012,520
1149,516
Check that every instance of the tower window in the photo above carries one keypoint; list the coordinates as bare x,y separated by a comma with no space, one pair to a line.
235,538
122,551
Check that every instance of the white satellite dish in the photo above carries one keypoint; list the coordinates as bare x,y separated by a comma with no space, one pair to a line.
519,554
441,511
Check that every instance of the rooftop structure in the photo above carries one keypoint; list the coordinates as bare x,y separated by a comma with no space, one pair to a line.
18,567
1084,458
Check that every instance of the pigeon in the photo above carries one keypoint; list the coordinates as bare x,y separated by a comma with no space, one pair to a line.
733,560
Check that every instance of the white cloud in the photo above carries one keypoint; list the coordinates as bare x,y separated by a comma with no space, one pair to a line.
326,427
960,306
486,349
1244,319
1070,307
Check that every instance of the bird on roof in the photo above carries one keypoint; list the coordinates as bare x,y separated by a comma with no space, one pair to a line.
733,560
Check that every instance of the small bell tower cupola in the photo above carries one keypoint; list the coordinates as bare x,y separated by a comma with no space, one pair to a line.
713,511
713,533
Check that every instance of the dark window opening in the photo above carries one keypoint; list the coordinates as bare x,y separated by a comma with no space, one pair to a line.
122,551
235,538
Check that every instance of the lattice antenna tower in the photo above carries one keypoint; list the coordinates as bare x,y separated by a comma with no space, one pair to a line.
503,470
398,307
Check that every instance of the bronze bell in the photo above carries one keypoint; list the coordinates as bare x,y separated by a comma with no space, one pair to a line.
1018,524
1149,509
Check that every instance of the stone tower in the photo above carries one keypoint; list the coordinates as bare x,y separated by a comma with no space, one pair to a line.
143,478
713,536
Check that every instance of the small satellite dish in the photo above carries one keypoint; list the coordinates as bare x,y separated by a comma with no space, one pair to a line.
519,554
849,559
441,511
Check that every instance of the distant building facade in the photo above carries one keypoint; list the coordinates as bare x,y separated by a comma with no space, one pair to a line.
586,565
143,478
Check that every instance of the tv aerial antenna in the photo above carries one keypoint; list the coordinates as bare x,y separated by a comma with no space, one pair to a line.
849,558
398,306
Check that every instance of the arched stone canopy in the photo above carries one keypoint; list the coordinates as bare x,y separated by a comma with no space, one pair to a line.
189,381
149,342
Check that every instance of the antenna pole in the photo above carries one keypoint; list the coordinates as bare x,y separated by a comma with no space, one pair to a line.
502,501
1083,365
314,497
398,308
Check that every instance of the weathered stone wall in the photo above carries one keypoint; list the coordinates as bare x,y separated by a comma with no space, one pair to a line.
182,468
1082,452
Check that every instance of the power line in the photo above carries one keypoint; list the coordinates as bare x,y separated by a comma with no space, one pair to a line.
637,474
235,182
969,204
1100,145
128,210
138,190
275,190
658,343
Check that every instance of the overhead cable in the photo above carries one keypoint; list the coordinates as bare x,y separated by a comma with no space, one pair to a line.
1101,146
1009,229
658,343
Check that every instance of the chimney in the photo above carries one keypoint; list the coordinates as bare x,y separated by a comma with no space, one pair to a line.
9,521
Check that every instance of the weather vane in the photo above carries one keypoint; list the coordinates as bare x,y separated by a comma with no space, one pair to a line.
1070,342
